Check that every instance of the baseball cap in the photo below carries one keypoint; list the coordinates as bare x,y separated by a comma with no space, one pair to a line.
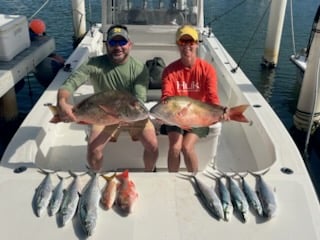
117,31
187,30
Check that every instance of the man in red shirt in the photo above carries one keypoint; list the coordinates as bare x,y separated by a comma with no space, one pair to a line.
193,77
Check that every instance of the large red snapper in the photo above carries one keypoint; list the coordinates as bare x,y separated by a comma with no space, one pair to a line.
188,113
107,108
127,193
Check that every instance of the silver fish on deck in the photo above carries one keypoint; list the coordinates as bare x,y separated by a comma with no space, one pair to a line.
70,201
43,194
252,197
56,198
209,197
188,113
88,205
106,108
225,198
266,195
238,198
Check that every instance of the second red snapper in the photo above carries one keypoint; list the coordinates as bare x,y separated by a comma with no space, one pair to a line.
127,193
188,113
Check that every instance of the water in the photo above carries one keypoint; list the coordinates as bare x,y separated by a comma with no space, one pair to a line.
233,28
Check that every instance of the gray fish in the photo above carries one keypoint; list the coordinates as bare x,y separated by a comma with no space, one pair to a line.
106,108
225,199
209,197
56,198
238,198
252,197
70,201
43,194
88,205
267,197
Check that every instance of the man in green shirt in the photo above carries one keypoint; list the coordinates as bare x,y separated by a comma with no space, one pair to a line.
116,70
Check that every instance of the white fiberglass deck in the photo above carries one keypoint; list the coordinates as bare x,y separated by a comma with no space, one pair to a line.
167,208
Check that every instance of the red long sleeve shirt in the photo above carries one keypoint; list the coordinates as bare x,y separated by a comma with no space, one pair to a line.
198,82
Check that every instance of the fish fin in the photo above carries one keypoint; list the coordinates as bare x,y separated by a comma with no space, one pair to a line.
107,111
109,178
183,111
55,119
124,174
54,111
236,113
83,123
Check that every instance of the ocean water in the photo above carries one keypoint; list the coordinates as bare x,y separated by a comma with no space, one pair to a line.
241,27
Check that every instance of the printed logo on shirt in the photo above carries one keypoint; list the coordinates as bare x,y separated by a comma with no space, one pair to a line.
183,86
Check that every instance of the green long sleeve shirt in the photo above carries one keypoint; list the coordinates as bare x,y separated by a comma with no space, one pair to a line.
132,76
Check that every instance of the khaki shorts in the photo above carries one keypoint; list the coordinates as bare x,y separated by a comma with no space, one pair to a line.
134,129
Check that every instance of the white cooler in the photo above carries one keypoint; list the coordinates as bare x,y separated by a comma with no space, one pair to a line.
14,36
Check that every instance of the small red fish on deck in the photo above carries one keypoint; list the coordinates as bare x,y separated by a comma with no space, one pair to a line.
109,193
127,193
188,113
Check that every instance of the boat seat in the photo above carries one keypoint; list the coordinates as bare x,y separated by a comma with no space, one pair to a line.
137,16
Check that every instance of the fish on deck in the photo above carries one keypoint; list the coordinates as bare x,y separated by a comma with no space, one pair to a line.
127,193
57,197
109,193
225,199
209,198
89,204
70,200
266,195
238,198
106,108
188,113
43,194
251,196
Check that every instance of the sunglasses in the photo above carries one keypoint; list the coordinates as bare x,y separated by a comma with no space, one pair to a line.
183,42
120,42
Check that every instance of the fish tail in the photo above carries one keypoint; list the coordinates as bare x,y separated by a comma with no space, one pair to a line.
124,174
236,113
109,178
54,111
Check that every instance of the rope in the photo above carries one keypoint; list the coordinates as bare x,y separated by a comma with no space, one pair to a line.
226,12
90,14
312,116
292,29
42,6
251,38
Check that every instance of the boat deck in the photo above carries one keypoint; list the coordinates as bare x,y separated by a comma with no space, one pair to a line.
167,208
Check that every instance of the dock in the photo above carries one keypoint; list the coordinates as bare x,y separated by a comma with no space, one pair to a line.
13,71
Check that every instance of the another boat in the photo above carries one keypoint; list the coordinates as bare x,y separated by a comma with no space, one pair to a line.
167,206
307,115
